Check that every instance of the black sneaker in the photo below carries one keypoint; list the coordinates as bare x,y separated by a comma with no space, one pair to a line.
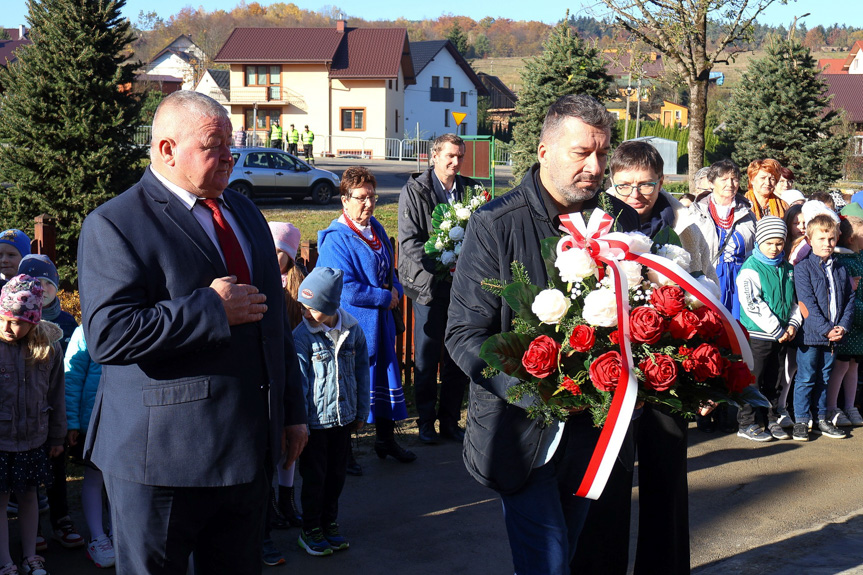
830,430
800,432
336,540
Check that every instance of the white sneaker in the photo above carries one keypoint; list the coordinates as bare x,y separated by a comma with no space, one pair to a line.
101,552
854,417
837,417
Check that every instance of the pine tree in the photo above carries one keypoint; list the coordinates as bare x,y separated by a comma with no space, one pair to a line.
567,65
777,111
68,124
458,38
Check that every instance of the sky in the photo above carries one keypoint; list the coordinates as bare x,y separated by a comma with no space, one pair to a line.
824,13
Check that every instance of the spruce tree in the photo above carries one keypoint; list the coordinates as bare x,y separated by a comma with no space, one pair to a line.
567,65
778,111
458,38
68,118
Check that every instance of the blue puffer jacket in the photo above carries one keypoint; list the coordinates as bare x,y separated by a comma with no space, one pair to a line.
336,390
82,381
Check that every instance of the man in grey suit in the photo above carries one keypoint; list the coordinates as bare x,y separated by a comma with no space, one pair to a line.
182,303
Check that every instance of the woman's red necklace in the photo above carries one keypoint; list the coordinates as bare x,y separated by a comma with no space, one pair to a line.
374,243
724,223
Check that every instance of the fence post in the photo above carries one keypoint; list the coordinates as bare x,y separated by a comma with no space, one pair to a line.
309,254
44,236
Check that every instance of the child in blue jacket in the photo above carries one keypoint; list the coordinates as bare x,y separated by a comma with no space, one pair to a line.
825,296
334,359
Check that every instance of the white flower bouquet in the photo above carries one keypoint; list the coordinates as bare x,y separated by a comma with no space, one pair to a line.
449,222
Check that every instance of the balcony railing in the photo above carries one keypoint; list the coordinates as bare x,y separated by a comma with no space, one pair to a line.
259,95
442,95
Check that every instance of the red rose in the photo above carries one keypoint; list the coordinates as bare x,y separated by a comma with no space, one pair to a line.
614,337
646,325
569,385
668,300
683,350
582,338
605,371
737,376
711,324
660,372
540,359
684,325
706,362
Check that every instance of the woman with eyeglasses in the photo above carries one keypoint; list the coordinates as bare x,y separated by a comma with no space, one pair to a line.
357,244
733,228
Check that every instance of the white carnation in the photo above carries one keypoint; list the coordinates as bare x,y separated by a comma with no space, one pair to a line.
709,285
462,213
639,243
456,234
632,270
600,308
447,258
445,225
550,306
575,265
676,254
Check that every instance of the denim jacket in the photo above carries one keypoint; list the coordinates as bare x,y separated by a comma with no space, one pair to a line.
32,397
337,390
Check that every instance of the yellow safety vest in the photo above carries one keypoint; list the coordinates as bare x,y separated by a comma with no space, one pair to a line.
308,137
293,136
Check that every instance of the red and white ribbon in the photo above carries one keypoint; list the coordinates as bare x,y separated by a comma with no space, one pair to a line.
610,248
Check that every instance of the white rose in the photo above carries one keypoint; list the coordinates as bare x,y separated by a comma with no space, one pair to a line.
709,285
457,206
639,243
575,265
445,225
600,308
447,258
438,245
632,271
462,213
456,234
676,254
475,202
658,278
457,248
550,306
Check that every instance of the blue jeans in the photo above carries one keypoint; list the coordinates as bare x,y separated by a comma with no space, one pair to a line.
814,364
543,521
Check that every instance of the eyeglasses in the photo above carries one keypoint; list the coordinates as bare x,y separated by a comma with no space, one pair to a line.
368,200
645,188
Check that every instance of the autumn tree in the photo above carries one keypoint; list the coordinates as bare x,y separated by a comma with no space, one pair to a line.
567,65
778,111
679,31
68,126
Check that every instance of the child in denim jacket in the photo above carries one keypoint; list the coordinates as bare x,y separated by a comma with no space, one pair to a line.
333,357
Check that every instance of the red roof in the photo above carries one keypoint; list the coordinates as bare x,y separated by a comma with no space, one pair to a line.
8,47
280,45
372,53
832,65
846,89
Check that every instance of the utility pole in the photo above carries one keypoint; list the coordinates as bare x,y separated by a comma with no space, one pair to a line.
628,93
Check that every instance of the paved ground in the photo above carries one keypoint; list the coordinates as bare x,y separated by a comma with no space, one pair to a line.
773,509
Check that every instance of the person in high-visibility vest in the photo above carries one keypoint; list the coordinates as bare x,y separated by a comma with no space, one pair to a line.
276,135
308,140
293,140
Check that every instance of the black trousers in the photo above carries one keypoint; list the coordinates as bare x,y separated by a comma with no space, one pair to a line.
429,351
323,467
156,529
57,493
663,506
766,354
292,149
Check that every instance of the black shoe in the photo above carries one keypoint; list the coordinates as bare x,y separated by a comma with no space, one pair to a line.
288,508
394,450
705,424
427,433
277,518
354,468
452,432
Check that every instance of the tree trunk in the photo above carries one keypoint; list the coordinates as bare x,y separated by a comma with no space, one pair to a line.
697,121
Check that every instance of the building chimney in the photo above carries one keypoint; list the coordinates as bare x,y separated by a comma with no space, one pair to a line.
340,25
21,32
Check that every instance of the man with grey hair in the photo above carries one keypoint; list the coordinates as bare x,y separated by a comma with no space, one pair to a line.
439,184
535,468
182,304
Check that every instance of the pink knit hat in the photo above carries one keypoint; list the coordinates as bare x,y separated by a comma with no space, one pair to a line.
286,236
21,298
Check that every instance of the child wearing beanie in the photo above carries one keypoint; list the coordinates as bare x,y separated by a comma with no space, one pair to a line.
769,311
333,357
14,245
37,427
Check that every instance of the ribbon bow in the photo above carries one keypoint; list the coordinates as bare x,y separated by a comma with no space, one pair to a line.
610,248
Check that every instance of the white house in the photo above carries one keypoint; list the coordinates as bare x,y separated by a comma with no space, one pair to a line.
445,83
216,84
180,59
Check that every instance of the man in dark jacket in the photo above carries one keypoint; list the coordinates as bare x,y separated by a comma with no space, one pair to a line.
439,184
535,468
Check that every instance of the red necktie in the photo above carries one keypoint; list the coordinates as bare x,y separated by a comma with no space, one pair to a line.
231,250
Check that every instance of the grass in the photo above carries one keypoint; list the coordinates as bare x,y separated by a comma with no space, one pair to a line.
311,219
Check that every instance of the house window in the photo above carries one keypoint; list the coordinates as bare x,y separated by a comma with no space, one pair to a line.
397,84
391,85
435,82
677,114
353,119
447,81
266,76
265,118
446,118
463,99
397,122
